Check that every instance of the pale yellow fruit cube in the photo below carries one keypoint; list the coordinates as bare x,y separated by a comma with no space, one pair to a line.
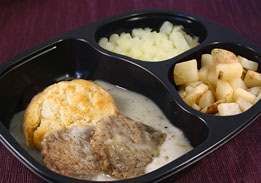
185,72
166,27
179,40
114,38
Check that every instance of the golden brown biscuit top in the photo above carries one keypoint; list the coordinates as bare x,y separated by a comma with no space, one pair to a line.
77,102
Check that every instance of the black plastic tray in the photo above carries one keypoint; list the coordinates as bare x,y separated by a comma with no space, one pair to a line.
77,55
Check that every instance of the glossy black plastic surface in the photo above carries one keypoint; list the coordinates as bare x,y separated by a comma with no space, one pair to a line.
77,55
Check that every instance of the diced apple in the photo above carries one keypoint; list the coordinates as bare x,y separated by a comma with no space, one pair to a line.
178,40
166,27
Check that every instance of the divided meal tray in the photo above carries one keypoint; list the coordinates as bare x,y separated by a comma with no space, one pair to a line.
77,54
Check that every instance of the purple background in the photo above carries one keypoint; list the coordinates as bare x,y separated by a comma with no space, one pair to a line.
26,23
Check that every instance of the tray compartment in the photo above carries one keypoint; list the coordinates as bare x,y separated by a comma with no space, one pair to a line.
69,59
152,20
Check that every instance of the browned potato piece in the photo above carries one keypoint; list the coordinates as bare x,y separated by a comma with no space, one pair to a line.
196,107
255,90
221,56
206,60
212,109
258,97
237,83
191,86
206,99
212,75
243,104
203,74
228,109
229,71
185,72
252,79
241,93
248,64
182,93
204,110
194,95
224,91
227,84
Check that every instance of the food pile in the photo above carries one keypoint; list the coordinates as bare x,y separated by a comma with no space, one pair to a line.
225,84
81,133
149,45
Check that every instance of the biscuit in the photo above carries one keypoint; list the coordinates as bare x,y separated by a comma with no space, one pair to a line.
61,105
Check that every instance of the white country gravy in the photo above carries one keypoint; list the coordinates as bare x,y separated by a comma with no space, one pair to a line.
137,107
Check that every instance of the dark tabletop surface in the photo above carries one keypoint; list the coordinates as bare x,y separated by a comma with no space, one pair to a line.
26,23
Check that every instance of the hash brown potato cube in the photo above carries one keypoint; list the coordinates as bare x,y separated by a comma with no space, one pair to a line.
248,64
212,75
237,83
186,72
243,104
241,93
255,90
224,91
206,99
229,71
203,74
221,56
252,79
228,109
194,95
206,60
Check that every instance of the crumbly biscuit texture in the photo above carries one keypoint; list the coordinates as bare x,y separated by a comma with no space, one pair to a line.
61,105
